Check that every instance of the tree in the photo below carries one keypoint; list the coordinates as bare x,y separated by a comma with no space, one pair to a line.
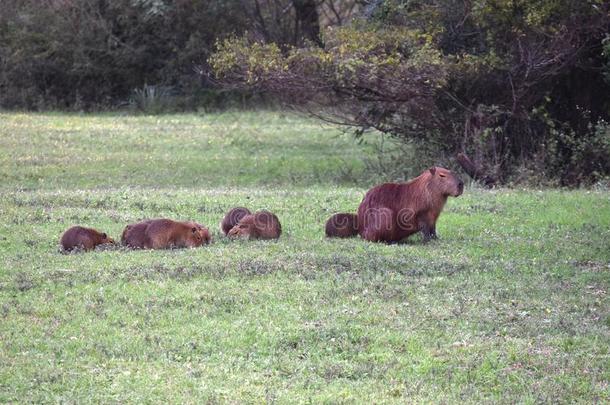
92,53
307,21
296,22
511,82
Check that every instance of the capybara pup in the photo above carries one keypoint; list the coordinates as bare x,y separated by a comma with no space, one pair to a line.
342,225
392,211
261,225
134,235
78,237
232,218
165,234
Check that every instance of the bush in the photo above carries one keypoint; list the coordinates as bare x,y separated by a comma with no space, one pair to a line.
511,83
84,54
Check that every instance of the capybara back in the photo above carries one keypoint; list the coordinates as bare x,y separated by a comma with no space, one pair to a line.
261,225
342,225
134,235
232,218
166,233
78,237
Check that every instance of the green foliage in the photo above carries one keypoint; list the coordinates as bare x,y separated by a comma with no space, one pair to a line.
510,305
94,54
88,53
463,76
346,50
588,157
606,54
388,64
259,60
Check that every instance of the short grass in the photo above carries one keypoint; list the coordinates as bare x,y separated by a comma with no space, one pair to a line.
510,305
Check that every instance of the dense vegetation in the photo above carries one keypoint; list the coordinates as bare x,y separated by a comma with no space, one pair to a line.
521,86
510,305
91,54
94,53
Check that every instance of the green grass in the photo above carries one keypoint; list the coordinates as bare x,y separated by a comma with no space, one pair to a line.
510,305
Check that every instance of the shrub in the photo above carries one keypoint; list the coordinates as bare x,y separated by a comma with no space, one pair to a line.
90,54
509,82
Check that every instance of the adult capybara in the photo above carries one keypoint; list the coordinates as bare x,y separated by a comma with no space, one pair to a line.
134,235
392,211
78,237
165,234
260,225
232,218
342,225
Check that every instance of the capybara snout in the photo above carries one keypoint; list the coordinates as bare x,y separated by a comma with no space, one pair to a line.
460,189
446,182
78,237
200,236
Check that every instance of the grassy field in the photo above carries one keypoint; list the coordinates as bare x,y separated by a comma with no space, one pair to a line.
510,305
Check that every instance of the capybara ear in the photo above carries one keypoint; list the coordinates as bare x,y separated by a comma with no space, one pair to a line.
104,236
432,170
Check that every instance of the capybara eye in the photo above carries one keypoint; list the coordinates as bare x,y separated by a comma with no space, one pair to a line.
442,175
194,230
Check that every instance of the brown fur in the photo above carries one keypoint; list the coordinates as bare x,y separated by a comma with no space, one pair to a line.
342,225
134,235
78,237
165,234
393,211
232,218
261,225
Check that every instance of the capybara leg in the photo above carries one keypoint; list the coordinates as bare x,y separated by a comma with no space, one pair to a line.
431,229
432,224
149,244
154,244
427,231
88,244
